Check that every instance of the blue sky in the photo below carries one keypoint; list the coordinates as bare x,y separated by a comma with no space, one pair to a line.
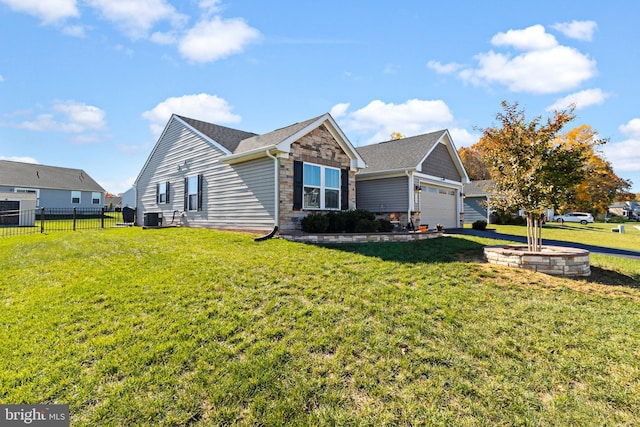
90,84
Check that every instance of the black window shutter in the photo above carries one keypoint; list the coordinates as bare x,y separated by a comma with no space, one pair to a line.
186,194
297,185
344,189
168,192
157,193
200,184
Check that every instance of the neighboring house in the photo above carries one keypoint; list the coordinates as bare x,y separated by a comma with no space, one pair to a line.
476,201
17,209
416,180
112,203
202,174
129,198
629,209
54,187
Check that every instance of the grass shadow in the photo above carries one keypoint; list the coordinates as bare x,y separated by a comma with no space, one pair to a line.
438,250
606,277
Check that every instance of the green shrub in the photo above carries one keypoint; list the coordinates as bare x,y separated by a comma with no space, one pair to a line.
366,226
479,225
315,223
384,226
354,221
617,220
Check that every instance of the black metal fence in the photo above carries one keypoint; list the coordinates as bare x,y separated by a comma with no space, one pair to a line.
44,220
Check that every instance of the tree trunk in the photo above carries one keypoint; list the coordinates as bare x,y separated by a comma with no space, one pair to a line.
534,232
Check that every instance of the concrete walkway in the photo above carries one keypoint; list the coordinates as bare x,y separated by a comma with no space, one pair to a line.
492,234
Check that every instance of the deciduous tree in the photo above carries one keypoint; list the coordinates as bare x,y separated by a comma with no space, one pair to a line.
531,169
473,164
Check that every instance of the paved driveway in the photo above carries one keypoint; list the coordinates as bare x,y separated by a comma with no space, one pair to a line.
522,239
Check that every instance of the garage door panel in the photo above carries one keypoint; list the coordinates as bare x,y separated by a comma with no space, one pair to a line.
438,206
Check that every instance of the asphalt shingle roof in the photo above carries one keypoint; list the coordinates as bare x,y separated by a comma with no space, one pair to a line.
398,154
227,137
272,138
28,175
478,188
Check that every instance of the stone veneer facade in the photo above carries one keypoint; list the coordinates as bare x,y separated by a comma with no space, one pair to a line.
318,147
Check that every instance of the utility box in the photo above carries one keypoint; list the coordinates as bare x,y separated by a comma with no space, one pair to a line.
152,219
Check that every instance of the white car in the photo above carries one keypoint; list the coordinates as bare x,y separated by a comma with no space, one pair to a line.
581,217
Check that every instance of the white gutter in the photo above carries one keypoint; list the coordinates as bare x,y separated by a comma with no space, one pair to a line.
276,188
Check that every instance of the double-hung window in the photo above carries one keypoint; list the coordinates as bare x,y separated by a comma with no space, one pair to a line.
95,198
75,197
193,189
321,187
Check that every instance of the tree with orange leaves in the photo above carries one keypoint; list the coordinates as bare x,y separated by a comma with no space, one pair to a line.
531,169
601,186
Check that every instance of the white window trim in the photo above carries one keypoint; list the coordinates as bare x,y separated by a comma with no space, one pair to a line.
322,188
162,195
29,190
93,198
79,197
189,193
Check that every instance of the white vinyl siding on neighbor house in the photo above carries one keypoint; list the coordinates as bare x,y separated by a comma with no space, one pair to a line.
233,196
30,190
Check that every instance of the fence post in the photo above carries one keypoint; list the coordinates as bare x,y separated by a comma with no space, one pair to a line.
42,220
102,217
74,219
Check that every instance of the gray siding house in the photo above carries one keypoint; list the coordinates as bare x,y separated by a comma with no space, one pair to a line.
476,199
413,181
54,187
205,175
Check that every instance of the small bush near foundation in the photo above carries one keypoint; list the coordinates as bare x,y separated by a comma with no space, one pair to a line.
479,225
315,223
354,221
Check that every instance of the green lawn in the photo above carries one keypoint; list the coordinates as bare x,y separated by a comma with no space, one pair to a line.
598,234
200,327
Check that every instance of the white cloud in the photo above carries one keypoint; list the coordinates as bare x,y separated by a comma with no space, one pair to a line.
540,71
74,30
625,155
531,38
66,117
631,129
582,99
215,39
339,110
439,68
463,138
208,108
376,121
23,159
544,67
580,30
49,11
1,78
136,17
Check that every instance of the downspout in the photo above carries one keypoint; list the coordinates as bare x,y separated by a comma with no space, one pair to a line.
276,189
409,221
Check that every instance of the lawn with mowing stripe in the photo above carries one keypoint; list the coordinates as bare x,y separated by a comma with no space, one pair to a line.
200,327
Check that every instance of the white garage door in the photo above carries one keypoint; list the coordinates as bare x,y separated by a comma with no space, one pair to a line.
438,206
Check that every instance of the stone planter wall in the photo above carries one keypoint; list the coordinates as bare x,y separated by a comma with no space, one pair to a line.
359,237
552,260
